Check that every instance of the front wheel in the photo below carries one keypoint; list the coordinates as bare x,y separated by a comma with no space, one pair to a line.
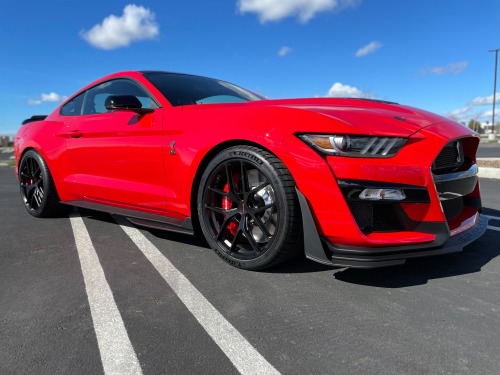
248,208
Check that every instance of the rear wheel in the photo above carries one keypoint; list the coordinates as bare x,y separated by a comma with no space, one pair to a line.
248,208
37,187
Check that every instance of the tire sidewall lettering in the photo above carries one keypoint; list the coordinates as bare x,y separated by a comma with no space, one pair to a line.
226,259
247,155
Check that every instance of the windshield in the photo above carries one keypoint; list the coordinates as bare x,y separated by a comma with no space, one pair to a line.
183,89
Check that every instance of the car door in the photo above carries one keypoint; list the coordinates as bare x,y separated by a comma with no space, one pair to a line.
116,157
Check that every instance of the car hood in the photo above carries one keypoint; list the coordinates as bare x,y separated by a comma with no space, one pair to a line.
366,116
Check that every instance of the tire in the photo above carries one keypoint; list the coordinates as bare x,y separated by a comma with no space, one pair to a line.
248,208
37,187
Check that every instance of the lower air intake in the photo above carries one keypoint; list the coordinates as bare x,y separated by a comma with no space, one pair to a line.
452,207
376,217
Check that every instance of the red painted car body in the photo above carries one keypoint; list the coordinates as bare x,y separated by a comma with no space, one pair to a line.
150,164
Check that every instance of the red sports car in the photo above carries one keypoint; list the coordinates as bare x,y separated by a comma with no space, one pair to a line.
350,182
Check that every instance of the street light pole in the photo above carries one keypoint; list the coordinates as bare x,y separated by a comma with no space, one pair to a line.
495,130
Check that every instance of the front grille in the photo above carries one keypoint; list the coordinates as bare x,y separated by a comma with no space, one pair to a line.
452,207
449,159
450,183
376,217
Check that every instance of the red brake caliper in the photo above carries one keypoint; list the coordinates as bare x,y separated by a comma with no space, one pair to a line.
227,204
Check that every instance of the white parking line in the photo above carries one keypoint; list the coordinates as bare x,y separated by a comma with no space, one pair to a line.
239,351
117,354
489,217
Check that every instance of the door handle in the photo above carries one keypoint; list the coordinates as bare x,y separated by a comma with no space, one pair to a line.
75,134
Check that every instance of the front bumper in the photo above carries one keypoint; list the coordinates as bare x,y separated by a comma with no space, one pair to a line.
391,256
322,251
436,175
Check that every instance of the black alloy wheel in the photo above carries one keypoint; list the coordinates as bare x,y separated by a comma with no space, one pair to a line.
37,187
248,208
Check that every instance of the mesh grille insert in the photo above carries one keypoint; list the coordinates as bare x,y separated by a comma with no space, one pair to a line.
449,159
453,207
376,217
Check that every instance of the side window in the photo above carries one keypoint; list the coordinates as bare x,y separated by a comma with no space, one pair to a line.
96,96
73,107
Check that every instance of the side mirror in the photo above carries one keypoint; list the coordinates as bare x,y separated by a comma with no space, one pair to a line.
125,103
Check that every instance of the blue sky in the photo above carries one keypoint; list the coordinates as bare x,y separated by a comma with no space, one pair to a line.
428,54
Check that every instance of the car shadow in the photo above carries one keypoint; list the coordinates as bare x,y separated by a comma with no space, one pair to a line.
297,265
419,271
414,272
161,234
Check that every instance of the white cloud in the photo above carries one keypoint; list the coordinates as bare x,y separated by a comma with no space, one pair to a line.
136,23
52,97
452,68
47,98
485,100
339,90
464,111
284,51
369,48
489,114
463,114
473,110
275,10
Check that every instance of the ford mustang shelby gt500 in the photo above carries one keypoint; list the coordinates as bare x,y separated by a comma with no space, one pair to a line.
350,182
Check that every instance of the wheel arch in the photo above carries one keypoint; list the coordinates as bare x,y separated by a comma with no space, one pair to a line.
48,202
21,155
46,159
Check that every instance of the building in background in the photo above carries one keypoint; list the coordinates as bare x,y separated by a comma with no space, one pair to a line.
6,141
486,126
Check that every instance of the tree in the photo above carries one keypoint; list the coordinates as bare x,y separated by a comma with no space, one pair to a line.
475,125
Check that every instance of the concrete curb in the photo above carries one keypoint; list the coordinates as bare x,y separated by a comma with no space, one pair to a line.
488,171
485,172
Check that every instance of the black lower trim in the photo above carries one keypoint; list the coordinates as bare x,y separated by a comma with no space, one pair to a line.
145,219
456,188
161,225
313,247
389,256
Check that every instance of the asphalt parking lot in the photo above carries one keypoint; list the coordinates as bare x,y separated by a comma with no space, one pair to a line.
6,155
90,294
488,150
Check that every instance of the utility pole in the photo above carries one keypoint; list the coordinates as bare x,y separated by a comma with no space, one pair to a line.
493,128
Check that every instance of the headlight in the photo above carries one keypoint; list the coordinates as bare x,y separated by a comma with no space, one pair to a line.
355,145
